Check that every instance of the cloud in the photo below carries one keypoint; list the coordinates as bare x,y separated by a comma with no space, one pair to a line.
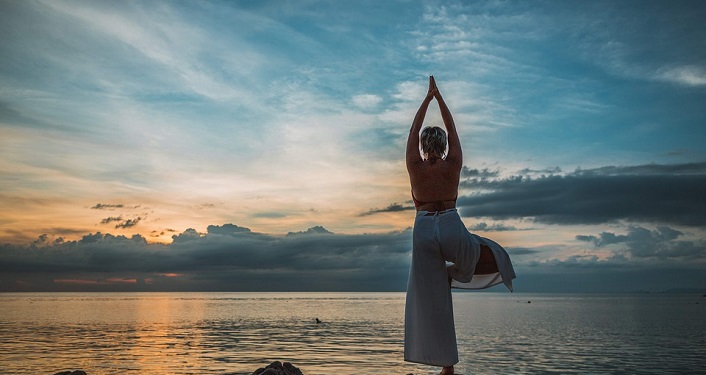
122,223
641,242
394,207
476,35
496,227
172,44
317,230
64,231
227,229
111,219
644,193
517,251
129,223
228,257
545,171
618,273
233,258
225,103
590,275
689,75
270,215
366,101
478,173
101,206
189,234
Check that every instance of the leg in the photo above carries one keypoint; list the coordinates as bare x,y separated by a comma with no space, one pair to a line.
447,370
486,263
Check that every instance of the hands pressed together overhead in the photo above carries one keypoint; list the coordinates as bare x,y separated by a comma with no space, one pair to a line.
433,91
454,153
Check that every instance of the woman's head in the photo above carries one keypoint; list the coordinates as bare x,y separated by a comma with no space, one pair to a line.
433,139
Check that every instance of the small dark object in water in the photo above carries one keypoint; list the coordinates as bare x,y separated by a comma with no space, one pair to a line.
278,368
318,321
75,372
529,301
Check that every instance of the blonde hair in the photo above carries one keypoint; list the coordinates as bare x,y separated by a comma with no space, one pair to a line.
433,139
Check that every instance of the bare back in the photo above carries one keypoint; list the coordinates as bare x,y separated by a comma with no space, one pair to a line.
434,181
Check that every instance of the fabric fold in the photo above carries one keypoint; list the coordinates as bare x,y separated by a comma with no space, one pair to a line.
467,280
438,238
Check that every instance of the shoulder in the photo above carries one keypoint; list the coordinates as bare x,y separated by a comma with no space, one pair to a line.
454,162
414,165
427,167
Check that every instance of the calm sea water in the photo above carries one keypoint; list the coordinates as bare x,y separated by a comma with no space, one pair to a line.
361,333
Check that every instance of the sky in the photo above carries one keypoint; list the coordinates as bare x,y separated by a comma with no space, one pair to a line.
259,145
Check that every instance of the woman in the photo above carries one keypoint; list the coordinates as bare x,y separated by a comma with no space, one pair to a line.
439,237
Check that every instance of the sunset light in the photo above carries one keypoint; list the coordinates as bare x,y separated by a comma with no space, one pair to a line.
192,142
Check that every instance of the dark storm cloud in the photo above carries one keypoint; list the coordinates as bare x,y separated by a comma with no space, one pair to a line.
496,227
233,258
639,242
521,251
648,169
530,171
630,268
478,173
227,257
668,194
188,235
313,230
229,229
590,274
395,207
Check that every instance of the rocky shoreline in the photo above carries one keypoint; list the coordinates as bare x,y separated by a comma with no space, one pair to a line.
274,368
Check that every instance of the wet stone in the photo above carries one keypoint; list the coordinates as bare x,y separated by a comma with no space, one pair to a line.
278,368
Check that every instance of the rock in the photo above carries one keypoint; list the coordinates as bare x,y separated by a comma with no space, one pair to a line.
75,372
278,368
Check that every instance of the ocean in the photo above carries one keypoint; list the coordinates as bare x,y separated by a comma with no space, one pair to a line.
359,333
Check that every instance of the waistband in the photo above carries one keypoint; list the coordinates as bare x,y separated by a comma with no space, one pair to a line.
435,213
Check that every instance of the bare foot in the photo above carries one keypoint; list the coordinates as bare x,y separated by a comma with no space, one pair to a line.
447,371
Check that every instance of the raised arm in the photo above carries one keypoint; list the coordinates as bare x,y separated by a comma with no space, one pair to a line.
413,155
455,155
